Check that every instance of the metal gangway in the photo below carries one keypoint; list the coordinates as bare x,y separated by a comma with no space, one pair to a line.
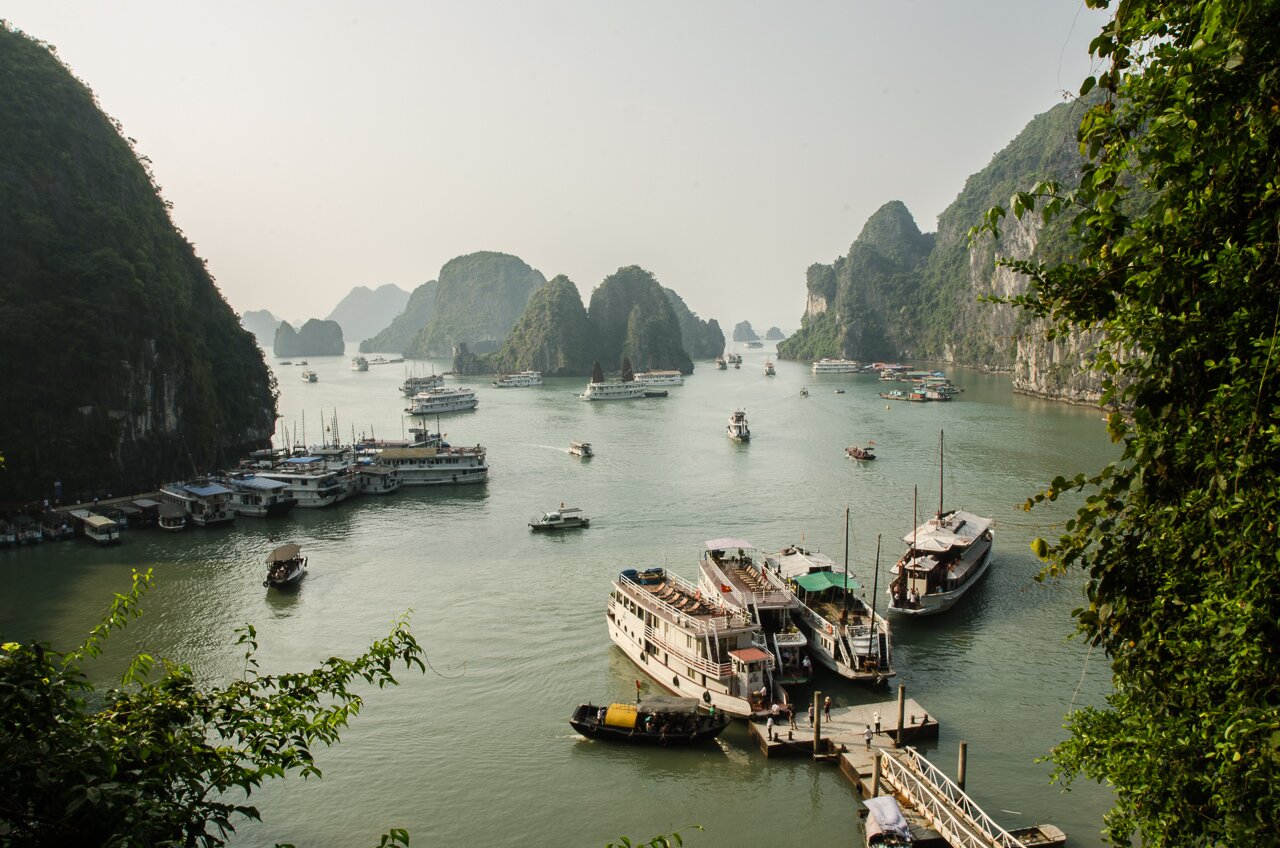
942,803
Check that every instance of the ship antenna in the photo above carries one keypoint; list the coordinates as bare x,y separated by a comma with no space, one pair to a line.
844,613
875,587
940,476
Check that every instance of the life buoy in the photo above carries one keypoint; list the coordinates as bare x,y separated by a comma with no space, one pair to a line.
829,630
706,697
675,681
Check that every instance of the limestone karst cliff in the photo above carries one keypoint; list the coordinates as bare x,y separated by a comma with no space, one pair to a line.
479,298
133,368
314,338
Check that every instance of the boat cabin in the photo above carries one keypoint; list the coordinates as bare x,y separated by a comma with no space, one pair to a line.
97,528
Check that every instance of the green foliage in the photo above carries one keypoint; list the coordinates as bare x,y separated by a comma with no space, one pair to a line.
399,334
552,335
127,364
478,300
160,760
700,339
632,317
1178,212
672,840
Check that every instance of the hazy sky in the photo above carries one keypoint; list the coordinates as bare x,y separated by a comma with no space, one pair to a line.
309,147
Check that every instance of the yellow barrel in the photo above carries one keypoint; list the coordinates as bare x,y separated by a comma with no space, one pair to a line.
621,715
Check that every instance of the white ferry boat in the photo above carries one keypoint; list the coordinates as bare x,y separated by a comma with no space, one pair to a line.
736,572
733,358
738,429
946,557
342,462
441,400
845,635
377,479
442,465
628,388
309,482
836,366
769,370
207,503
309,377
660,378
690,645
98,528
258,497
359,363
518,380
423,383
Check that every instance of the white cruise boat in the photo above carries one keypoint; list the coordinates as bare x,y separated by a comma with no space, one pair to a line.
258,497
310,483
845,635
206,502
769,370
946,556
359,363
441,400
660,378
628,388
734,359
309,377
738,429
518,380
836,366
720,363
690,645
377,479
424,383
736,572
441,465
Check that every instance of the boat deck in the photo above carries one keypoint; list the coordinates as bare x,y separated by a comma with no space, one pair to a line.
689,603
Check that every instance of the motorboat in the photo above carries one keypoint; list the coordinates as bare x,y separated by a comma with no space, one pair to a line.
564,518
518,380
359,363
655,720
769,370
582,449
946,556
309,377
440,400
861,454
734,571
734,359
804,391
738,429
689,643
285,566
720,363
172,517
97,528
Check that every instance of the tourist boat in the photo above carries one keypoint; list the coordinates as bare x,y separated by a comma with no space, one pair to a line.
582,449
309,377
423,383
7,536
845,634
912,395
627,388
285,566
564,518
720,364
287,362
26,530
309,481
359,363
690,645
836,366
440,400
861,454
769,370
97,528
656,720
518,380
173,517
381,360
258,497
734,359
56,527
377,479
735,571
655,393
738,429
660,378
438,465
946,557
755,344
207,503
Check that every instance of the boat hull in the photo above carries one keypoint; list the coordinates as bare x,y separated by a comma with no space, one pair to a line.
938,602
585,722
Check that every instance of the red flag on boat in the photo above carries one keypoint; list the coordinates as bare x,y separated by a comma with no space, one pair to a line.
637,685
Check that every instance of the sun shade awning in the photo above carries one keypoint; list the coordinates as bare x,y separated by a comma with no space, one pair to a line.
749,655
820,581
284,553
723,544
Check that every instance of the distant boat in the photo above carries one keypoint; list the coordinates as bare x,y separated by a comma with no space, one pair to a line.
738,429
861,454
627,388
804,391
309,377
564,518
755,344
720,363
518,380
359,363
769,370
839,391
582,449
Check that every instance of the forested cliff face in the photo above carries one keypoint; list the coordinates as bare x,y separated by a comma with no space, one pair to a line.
632,317
701,339
314,338
125,366
479,298
903,294
397,336
552,335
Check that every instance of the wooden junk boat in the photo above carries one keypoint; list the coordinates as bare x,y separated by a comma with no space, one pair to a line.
656,720
285,566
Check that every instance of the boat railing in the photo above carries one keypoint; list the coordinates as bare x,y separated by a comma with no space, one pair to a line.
701,664
745,598
948,808
726,618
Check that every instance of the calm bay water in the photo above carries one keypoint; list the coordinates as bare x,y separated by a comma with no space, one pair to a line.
479,751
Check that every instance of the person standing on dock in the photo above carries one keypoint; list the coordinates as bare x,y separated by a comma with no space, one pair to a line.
866,734
877,720
791,715
826,709
768,728
811,716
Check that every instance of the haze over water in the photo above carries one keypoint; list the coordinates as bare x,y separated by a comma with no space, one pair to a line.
479,751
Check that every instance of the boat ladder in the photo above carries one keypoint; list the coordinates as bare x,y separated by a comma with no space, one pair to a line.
942,803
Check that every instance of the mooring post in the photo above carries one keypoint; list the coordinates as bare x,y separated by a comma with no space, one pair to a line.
875,774
961,768
902,709
817,721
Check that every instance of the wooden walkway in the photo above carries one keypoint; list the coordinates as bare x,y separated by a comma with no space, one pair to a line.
845,729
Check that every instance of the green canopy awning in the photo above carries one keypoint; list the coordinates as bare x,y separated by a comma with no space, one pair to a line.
820,581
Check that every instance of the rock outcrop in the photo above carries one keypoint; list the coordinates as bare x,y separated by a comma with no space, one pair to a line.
701,339
743,332
480,296
397,336
632,318
316,338
365,311
553,334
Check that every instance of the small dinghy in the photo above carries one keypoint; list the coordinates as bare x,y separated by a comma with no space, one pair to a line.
656,720
285,566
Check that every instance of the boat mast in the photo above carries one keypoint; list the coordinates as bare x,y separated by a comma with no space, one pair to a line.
844,612
939,474
875,587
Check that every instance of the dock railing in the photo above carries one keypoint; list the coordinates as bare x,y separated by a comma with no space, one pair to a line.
949,810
